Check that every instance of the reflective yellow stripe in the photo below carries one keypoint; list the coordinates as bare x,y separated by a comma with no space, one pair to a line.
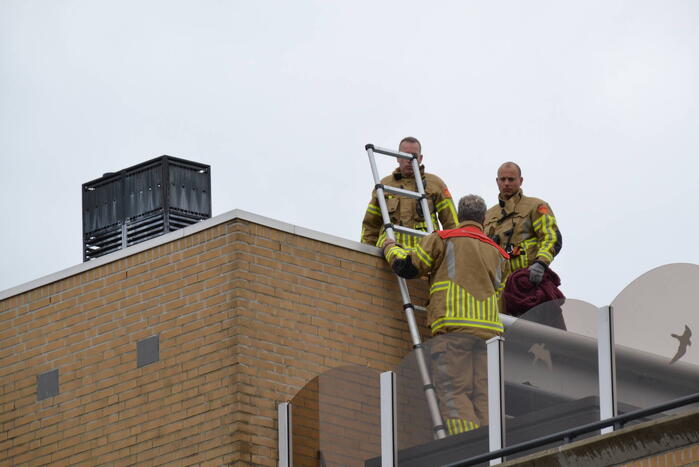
452,208
519,262
459,425
501,287
448,203
395,251
545,224
406,240
442,205
457,322
381,239
443,285
423,225
545,255
424,257
373,209
399,252
463,309
528,242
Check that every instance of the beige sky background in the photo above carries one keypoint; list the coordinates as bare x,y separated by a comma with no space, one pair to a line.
597,101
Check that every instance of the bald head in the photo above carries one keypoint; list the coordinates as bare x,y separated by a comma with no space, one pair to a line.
509,179
510,165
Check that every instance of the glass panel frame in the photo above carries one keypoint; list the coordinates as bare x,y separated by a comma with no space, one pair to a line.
551,374
336,419
446,354
654,318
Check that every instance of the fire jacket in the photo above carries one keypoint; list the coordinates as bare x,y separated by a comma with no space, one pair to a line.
407,211
526,228
465,280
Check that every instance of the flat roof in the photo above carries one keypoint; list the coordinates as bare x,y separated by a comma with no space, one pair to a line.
184,232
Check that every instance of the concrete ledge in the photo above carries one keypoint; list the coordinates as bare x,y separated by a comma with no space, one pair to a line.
625,445
190,230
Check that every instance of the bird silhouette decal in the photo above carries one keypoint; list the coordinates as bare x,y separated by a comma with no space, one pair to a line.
540,352
684,342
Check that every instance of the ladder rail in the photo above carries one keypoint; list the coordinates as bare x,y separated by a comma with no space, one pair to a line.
428,386
379,192
423,201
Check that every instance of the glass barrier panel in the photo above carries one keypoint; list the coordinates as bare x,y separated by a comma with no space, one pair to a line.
550,367
336,419
457,365
654,319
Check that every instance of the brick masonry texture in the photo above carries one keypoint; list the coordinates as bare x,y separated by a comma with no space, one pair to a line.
246,315
687,456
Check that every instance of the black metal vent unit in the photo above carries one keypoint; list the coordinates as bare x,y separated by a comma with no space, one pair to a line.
144,201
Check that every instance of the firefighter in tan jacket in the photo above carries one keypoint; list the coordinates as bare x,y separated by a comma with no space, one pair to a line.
465,268
523,226
404,211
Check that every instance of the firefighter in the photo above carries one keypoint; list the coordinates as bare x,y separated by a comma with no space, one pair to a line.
405,211
464,267
524,227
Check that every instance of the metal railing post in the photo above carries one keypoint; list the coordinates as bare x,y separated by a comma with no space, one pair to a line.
389,450
606,362
284,434
496,396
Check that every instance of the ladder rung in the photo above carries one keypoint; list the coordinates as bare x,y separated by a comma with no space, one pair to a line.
388,152
400,191
420,308
417,233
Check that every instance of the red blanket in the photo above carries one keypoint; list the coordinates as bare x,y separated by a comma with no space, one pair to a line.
521,295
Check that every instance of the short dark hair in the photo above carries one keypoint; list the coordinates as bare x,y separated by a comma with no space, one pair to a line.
472,208
411,139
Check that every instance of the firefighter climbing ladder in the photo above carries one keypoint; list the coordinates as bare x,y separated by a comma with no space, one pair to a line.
408,307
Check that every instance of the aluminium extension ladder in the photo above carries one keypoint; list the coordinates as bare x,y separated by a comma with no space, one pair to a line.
408,307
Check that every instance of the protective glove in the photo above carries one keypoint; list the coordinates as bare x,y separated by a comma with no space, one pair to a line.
388,242
536,272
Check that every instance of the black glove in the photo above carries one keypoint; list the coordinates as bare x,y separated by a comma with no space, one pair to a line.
536,272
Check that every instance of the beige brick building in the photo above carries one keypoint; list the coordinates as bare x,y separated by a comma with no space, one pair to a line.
247,310
244,312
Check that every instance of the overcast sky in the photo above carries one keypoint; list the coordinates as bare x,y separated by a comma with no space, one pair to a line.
597,101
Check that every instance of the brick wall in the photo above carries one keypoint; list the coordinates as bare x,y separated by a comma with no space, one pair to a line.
336,418
309,307
246,315
688,455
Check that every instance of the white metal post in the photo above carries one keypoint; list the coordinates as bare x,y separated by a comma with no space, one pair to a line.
284,434
388,420
607,365
496,396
